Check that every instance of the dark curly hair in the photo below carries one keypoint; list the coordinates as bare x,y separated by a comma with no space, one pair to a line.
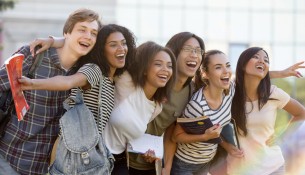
97,55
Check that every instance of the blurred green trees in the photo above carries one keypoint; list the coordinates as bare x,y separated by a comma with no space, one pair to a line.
6,4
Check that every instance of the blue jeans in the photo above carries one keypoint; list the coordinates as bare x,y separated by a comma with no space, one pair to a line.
5,167
180,167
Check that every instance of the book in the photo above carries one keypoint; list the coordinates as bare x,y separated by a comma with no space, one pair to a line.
229,133
146,142
197,125
235,133
14,72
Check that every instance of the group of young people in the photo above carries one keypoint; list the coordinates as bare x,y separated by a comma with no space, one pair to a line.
145,89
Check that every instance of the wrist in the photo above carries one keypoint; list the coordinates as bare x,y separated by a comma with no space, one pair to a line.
52,40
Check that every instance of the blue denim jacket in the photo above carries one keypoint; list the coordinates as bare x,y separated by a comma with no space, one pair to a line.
81,149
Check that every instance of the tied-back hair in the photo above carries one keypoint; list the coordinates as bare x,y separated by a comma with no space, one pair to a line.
144,57
97,55
239,100
177,42
199,80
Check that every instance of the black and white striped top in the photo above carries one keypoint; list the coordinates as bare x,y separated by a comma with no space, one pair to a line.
201,152
93,73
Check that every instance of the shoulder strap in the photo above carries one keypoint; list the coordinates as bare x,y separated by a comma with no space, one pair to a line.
100,94
37,61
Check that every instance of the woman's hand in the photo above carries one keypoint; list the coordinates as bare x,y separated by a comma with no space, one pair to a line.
26,83
45,43
272,140
292,70
150,156
213,132
233,150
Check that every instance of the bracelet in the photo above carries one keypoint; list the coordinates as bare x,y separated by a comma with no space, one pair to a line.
52,40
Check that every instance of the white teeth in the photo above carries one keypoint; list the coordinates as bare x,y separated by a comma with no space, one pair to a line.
192,62
85,44
120,55
260,67
163,76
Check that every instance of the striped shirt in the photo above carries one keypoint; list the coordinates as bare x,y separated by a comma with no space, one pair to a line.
27,144
93,74
201,152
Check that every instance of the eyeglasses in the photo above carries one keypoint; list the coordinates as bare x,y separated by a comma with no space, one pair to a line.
198,51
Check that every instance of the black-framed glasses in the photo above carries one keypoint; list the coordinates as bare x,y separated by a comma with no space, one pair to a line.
198,51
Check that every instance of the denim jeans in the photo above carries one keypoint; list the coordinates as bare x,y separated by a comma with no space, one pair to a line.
180,167
5,167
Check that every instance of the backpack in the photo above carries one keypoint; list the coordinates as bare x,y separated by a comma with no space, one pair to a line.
81,149
6,98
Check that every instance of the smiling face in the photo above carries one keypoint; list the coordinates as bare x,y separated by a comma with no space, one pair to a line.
188,60
258,65
82,38
218,71
159,71
116,50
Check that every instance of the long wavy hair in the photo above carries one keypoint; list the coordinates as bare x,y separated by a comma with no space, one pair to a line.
239,100
177,42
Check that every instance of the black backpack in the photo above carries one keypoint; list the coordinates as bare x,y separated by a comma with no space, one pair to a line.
6,98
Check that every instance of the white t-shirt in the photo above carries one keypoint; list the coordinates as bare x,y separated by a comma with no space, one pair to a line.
131,113
260,158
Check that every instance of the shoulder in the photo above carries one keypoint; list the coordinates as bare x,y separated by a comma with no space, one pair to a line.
124,80
91,69
281,97
197,96
275,91
124,86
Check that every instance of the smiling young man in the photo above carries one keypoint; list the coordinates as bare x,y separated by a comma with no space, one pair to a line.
26,145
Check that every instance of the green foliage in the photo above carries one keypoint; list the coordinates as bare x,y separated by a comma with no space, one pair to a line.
300,90
6,4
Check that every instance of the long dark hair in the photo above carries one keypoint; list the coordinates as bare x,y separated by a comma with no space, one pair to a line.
97,55
177,41
144,56
239,100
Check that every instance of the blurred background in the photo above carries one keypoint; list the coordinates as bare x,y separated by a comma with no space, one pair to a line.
227,25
